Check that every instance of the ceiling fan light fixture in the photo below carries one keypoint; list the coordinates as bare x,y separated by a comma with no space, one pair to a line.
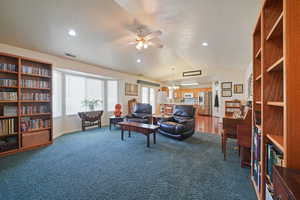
145,45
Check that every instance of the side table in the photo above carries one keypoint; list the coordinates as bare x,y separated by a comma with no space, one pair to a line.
113,120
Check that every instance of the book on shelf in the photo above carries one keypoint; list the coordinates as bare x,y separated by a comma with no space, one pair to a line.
32,83
34,109
274,157
7,126
8,96
38,96
4,82
8,67
28,124
35,70
10,110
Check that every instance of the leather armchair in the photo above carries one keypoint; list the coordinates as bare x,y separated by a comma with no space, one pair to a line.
181,125
142,113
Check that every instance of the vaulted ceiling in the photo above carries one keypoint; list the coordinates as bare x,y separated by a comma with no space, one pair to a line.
104,28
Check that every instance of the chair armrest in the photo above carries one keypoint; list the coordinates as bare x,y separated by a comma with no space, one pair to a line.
166,119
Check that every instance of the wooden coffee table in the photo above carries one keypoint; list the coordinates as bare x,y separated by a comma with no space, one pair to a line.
145,129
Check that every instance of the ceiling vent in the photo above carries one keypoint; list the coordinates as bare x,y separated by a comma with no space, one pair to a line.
192,73
70,55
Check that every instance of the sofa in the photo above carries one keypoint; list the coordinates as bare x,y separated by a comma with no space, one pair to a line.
142,113
180,125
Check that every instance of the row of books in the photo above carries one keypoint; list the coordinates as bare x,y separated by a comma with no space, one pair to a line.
28,124
36,70
34,109
9,110
32,83
7,126
274,157
257,173
35,96
8,82
8,67
256,144
8,96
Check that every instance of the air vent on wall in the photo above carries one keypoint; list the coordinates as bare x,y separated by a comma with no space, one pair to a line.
70,55
192,73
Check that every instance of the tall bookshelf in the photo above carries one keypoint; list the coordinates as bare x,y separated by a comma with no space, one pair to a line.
25,104
276,96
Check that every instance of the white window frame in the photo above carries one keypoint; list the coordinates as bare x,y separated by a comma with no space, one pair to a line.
155,92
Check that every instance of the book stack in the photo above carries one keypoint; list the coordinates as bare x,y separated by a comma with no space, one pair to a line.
28,124
9,110
256,155
8,96
8,82
35,70
274,157
7,126
35,96
8,67
32,83
34,109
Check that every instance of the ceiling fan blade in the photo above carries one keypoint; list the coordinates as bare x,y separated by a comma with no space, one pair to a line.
158,45
153,35
132,43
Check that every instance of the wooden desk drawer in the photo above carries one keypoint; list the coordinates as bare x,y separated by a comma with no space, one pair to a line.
35,138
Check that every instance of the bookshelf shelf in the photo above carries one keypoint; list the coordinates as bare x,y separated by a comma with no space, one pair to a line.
35,75
277,29
35,114
277,66
258,78
31,88
8,72
258,102
6,117
25,78
277,140
35,130
258,54
275,103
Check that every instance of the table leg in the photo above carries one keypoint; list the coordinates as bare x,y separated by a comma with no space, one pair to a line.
122,133
148,140
129,133
154,138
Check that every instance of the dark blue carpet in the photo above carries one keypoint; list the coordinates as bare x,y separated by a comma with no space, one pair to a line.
96,164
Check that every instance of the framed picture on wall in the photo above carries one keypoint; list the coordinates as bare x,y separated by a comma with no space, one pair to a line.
238,89
131,89
226,93
226,86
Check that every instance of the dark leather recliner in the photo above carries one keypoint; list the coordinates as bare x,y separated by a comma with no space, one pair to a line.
181,125
142,113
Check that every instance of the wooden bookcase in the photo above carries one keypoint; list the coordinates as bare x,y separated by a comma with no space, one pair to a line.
25,104
276,96
232,106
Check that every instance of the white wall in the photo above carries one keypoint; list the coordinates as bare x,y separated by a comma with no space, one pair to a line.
236,77
72,123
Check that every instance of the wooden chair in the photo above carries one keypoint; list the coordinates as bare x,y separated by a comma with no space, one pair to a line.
230,124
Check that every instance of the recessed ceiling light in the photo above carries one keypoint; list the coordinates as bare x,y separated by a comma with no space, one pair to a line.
138,60
205,44
72,32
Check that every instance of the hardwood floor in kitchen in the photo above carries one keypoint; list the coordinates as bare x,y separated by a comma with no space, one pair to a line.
208,124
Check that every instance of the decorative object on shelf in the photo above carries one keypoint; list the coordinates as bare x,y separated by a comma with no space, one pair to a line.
131,89
238,89
91,104
226,93
226,86
118,110
92,118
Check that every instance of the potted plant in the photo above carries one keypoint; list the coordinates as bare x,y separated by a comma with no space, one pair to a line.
91,103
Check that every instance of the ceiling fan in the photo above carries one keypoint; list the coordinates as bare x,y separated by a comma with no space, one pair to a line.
144,39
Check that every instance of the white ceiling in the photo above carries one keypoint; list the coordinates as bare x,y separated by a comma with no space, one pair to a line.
103,29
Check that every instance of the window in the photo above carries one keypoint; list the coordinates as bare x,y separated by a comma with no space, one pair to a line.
94,90
57,94
148,96
75,94
112,95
